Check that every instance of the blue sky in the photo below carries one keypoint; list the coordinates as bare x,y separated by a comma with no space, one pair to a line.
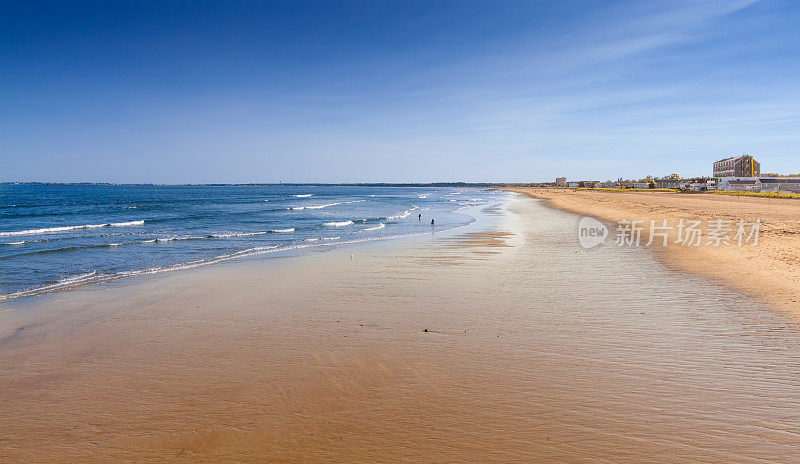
394,91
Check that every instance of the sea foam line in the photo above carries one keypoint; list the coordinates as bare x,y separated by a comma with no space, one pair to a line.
405,214
53,230
324,206
379,226
338,224
320,238
314,207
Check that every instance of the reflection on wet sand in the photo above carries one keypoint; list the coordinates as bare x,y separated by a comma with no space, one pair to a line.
543,352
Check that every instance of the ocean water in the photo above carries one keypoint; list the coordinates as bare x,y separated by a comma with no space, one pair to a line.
55,237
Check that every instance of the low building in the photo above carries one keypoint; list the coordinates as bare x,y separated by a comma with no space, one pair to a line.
667,183
760,184
737,166
780,184
739,184
561,181
699,184
584,184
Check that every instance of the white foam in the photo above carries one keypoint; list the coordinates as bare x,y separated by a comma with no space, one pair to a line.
242,234
320,238
405,214
61,284
303,195
54,230
324,206
125,224
315,206
338,224
282,231
175,239
379,226
16,243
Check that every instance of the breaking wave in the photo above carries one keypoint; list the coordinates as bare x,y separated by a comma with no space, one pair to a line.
54,230
405,214
379,226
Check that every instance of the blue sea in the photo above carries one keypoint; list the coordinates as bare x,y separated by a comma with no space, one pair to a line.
54,237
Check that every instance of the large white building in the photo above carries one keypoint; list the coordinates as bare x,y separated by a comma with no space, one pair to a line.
760,184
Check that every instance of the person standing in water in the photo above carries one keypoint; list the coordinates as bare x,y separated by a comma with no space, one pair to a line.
431,222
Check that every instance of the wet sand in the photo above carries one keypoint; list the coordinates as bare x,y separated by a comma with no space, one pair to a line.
535,351
769,271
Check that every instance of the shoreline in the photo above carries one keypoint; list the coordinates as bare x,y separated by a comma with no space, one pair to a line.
769,272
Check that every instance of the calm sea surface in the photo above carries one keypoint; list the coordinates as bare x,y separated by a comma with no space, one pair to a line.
60,236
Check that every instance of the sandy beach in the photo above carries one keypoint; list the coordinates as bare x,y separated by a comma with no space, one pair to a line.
503,344
769,271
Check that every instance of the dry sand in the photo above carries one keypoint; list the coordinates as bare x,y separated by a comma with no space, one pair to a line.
530,355
769,271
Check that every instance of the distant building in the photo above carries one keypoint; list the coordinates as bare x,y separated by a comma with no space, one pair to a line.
780,184
667,183
584,184
561,181
750,184
699,184
760,184
737,166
